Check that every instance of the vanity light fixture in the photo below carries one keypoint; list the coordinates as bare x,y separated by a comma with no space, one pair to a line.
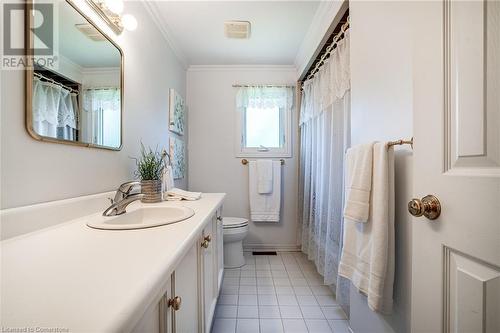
111,12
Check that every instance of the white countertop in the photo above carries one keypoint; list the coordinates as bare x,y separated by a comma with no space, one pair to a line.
74,277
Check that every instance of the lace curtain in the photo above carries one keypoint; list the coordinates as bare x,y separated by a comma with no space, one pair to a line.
55,110
101,116
324,137
264,97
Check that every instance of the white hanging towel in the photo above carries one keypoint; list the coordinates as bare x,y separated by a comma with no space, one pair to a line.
167,179
367,257
359,160
265,207
177,194
265,176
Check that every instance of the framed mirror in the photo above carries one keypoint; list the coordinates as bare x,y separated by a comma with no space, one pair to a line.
75,97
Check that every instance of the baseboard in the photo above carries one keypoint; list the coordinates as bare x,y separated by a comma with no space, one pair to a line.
271,247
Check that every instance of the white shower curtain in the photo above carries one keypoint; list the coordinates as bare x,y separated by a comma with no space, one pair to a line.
324,126
55,111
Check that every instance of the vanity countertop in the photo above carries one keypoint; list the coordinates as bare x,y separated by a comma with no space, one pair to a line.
70,276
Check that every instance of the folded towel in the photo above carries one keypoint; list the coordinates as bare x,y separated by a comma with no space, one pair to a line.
368,251
359,166
265,207
176,194
264,176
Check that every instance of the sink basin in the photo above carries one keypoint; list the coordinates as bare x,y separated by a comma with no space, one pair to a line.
143,217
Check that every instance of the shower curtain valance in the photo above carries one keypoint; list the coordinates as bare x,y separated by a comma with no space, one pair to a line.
329,84
264,97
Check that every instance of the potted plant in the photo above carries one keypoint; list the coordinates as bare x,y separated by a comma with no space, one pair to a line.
150,167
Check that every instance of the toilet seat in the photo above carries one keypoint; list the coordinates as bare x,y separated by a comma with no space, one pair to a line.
234,222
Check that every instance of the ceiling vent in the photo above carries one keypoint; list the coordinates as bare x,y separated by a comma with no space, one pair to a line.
90,31
237,29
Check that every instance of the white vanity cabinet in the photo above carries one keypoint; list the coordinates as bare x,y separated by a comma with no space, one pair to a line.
188,305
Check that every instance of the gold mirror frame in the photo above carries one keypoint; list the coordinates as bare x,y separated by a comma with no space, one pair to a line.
29,83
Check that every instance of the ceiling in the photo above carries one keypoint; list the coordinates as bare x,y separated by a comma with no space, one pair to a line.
197,29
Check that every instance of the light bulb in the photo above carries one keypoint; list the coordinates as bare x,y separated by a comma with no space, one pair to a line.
129,22
115,6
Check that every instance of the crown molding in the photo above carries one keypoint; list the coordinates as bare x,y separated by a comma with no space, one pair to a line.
321,24
153,10
284,68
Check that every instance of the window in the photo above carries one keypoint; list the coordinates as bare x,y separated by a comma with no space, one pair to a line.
263,122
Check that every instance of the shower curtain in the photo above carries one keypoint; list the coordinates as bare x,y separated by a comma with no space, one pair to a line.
55,110
324,137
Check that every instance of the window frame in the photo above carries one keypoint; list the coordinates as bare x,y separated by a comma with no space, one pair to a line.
285,151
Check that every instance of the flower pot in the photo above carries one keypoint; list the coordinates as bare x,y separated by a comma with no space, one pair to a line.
151,190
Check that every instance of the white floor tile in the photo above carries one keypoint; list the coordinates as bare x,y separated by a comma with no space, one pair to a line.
267,300
284,290
247,326
247,300
306,300
248,281
294,326
260,273
339,326
248,311
231,281
228,300
318,326
232,273
290,312
272,311
277,267
271,326
302,290
333,312
263,267
248,267
312,312
224,326
287,300
248,290
295,274
298,282
266,290
265,281
279,274
226,311
248,273
281,282
229,290
321,290
326,300
314,281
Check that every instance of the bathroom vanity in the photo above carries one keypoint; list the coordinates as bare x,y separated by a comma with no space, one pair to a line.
80,279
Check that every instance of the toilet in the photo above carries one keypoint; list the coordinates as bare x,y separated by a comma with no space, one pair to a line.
235,231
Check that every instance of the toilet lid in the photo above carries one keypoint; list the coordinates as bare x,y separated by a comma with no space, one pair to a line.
234,222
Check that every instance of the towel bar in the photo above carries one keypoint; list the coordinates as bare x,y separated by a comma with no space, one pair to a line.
245,161
401,142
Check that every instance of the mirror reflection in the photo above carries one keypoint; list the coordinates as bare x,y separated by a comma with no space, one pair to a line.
80,100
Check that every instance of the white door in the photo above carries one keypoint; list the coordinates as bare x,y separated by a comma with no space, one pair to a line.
456,258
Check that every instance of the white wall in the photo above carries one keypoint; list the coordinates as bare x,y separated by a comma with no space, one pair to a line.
382,89
213,165
33,171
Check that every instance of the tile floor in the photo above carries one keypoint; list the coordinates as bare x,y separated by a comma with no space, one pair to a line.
275,294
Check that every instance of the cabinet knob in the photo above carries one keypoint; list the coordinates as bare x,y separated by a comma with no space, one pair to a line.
175,302
429,206
208,238
219,218
204,244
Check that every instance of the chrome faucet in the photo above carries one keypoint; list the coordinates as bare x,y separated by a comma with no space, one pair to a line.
123,198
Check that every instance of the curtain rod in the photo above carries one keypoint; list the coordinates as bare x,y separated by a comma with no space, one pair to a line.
329,49
261,85
55,82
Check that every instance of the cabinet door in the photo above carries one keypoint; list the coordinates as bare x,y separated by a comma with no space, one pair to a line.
185,286
157,318
208,274
220,250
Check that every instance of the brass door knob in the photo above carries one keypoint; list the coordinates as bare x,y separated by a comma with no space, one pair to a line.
429,206
175,302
